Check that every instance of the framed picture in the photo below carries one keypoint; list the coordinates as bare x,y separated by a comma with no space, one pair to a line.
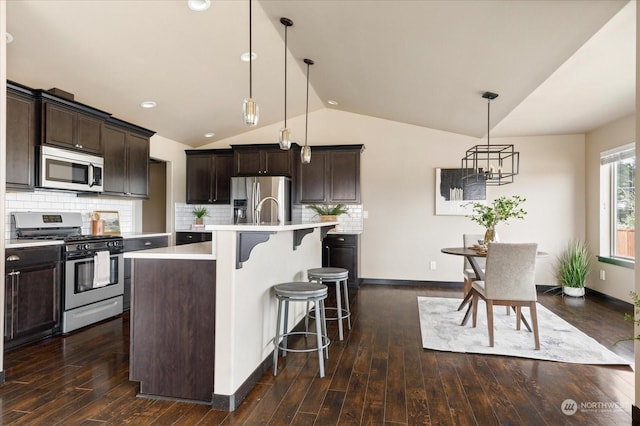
111,222
455,194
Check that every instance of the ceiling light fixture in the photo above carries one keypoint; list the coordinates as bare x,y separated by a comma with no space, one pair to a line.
199,5
250,109
305,154
148,104
285,133
209,135
495,164
332,102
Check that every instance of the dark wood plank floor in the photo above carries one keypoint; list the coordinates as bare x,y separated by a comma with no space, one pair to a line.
378,375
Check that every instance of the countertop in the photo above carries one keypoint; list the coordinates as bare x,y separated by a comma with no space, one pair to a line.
10,244
265,227
47,242
195,251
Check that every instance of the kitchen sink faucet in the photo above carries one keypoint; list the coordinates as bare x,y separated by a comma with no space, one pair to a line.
258,209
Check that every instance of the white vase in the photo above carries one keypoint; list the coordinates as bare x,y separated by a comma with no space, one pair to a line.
573,291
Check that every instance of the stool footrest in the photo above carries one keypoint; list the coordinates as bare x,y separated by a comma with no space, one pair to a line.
325,341
345,314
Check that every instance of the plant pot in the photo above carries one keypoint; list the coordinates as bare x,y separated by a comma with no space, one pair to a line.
490,236
573,291
329,218
199,221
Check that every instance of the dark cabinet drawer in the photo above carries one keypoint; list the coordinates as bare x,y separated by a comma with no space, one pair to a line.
144,243
192,237
341,251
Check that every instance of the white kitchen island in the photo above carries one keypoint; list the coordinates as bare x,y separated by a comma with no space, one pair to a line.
224,359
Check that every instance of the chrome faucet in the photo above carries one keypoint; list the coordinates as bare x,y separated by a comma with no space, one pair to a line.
258,209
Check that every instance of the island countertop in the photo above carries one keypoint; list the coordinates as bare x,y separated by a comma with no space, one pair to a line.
268,227
195,251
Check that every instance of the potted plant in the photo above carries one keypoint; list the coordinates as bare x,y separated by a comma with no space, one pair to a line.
328,212
199,213
501,210
573,268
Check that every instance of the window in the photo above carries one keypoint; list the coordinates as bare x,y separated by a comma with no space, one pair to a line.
618,196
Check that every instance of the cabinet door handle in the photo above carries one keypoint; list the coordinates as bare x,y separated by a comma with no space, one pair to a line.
79,146
340,239
13,258
147,243
13,273
189,237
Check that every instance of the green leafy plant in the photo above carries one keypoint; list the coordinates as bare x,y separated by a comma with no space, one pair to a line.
501,210
631,317
200,212
573,264
329,210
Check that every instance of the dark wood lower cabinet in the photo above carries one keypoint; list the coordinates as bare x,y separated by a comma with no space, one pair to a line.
32,295
173,328
135,244
341,251
191,237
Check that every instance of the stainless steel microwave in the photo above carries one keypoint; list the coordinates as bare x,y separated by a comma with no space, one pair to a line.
72,170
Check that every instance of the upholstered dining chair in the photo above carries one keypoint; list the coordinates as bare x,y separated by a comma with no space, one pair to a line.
509,281
469,275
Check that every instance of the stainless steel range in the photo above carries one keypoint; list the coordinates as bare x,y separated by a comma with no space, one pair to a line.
94,265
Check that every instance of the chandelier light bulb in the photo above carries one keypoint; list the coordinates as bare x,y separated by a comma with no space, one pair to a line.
285,138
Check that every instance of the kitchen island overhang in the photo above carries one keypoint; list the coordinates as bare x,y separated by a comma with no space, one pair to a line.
243,303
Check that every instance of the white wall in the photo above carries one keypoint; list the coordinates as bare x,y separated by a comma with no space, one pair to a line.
403,234
618,280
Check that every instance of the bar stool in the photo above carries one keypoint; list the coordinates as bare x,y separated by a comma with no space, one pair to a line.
301,292
336,275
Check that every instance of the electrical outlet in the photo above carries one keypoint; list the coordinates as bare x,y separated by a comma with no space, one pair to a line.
602,274
432,265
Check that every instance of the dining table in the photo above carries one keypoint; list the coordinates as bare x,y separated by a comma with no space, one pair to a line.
472,254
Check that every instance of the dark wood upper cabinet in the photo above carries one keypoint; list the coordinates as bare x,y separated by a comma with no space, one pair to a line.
209,176
312,178
333,176
68,128
265,159
21,138
126,160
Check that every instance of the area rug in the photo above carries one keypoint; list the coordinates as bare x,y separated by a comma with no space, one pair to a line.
559,341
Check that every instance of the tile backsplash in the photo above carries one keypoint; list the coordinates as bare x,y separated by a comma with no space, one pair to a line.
221,214
54,201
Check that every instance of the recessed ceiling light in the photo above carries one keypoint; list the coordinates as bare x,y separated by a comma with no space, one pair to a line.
199,5
8,37
209,135
245,57
148,104
332,102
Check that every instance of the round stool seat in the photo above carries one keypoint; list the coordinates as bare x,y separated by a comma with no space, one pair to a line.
330,274
300,290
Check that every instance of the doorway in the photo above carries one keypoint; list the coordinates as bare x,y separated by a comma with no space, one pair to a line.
154,209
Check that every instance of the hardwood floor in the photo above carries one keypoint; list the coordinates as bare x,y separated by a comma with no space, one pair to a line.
378,375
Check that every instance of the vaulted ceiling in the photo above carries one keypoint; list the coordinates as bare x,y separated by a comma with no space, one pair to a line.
563,66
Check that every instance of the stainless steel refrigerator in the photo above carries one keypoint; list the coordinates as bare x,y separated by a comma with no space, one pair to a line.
268,195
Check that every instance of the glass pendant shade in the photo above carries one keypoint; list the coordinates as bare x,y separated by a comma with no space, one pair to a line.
251,112
305,154
285,138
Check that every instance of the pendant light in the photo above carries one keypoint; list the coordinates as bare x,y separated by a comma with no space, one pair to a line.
305,153
250,109
285,133
494,164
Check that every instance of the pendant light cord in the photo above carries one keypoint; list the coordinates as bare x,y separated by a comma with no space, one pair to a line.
250,55
488,127
285,76
306,114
